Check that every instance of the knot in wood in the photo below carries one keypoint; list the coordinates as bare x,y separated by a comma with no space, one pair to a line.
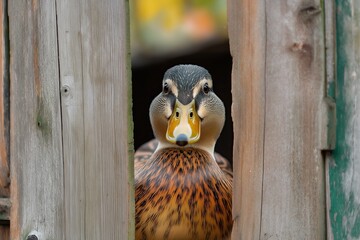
307,13
65,90
33,235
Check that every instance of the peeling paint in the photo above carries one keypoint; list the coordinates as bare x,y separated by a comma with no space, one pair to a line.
345,166
351,181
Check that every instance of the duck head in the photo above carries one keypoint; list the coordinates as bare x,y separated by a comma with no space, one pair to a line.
187,113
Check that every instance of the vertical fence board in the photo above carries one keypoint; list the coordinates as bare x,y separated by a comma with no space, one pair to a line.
70,58
293,187
278,91
95,83
4,125
247,43
344,167
35,138
4,106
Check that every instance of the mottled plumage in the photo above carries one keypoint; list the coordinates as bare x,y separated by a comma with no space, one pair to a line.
187,199
145,151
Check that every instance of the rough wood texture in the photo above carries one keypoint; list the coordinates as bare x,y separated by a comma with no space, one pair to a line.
344,167
4,106
70,56
36,148
293,184
4,125
97,124
278,92
247,43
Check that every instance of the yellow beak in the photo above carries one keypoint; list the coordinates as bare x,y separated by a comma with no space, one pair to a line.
184,124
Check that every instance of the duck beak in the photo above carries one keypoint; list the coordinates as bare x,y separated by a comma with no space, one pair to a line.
184,124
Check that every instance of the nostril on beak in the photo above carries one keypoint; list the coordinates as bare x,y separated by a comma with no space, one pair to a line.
191,115
182,140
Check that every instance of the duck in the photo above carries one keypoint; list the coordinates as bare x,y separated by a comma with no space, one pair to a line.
183,188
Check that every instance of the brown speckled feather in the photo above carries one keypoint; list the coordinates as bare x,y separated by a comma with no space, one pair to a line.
147,149
182,194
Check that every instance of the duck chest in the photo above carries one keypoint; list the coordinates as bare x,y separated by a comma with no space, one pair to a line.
182,194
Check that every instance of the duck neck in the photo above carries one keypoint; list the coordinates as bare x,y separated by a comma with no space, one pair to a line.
185,161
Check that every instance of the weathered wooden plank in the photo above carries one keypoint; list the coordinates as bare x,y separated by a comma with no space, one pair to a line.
4,125
344,167
247,41
278,101
72,106
4,105
293,184
36,146
96,105
108,131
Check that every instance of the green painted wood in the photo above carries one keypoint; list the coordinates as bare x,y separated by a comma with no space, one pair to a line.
344,166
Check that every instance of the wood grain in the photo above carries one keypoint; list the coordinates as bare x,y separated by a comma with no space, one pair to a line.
72,106
278,98
247,43
4,107
36,146
4,125
294,189
97,123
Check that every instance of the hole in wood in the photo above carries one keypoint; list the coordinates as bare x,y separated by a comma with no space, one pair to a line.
65,90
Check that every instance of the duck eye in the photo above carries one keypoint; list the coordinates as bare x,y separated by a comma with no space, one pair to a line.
206,88
166,88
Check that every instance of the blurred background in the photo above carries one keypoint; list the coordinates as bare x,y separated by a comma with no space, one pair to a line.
166,33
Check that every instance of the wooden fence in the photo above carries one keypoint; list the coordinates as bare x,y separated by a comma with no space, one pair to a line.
70,120
66,167
278,109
